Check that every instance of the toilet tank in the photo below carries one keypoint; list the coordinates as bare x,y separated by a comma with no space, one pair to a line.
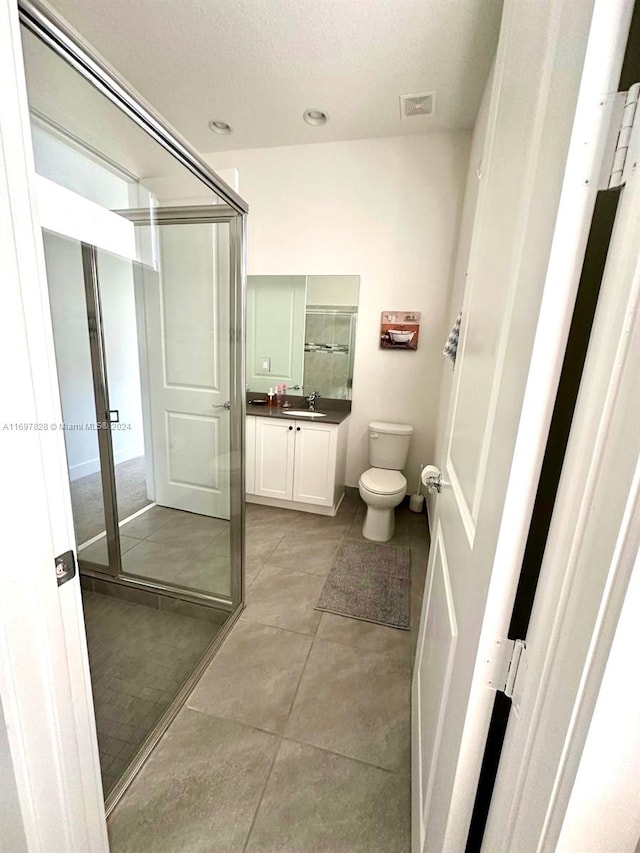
389,444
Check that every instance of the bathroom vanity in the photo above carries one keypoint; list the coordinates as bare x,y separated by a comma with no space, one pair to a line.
296,461
301,331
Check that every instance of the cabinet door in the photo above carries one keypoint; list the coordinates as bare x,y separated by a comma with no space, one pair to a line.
315,463
275,440
250,455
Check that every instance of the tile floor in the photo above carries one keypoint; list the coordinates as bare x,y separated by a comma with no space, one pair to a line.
139,658
175,547
296,738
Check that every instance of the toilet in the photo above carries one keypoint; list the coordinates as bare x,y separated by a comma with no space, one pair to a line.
383,486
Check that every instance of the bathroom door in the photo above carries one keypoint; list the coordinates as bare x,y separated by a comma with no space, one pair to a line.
521,269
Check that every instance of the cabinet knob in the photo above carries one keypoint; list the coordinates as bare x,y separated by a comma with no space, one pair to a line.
290,428
297,429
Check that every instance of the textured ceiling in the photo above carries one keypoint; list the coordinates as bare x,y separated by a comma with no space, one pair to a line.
258,64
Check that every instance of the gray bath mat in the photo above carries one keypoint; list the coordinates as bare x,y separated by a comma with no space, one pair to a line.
369,581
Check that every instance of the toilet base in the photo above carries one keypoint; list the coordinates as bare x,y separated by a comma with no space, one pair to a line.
379,524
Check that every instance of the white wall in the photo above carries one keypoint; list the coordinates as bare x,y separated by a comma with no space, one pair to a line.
386,210
59,160
73,360
86,178
71,336
121,346
332,290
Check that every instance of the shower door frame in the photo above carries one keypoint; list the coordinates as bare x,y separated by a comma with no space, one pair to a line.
183,215
65,43
101,397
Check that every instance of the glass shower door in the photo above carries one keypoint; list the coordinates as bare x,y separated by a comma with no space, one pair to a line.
147,307
144,366
171,437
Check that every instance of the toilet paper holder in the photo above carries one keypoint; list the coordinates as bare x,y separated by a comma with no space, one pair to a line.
432,478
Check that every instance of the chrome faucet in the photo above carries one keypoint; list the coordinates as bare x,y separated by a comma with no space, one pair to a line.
311,400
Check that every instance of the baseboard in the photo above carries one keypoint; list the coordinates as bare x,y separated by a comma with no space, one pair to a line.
92,466
300,507
84,469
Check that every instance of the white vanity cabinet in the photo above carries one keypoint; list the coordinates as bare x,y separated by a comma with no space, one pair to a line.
296,464
275,447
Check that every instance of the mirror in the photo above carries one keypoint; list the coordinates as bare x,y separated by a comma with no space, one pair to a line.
301,331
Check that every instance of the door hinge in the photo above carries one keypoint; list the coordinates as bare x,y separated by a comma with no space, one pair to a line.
504,663
623,146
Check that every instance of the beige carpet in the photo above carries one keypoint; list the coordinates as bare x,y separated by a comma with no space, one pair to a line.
87,503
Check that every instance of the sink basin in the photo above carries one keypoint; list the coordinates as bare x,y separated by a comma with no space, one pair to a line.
304,413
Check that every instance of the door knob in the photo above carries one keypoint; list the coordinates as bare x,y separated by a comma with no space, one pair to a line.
225,405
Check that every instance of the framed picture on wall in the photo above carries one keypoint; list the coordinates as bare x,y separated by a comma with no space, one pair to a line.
399,330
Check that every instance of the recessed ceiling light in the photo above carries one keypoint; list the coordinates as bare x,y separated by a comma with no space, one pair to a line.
219,126
315,117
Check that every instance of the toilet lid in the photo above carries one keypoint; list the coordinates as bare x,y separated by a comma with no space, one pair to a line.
383,481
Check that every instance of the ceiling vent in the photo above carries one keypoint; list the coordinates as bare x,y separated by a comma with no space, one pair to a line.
417,105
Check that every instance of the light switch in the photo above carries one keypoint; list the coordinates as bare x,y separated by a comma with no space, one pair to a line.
266,364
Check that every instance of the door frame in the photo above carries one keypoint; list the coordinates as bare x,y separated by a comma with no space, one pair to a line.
577,607
577,188
591,152
45,690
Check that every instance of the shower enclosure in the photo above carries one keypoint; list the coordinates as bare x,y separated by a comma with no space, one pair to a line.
144,252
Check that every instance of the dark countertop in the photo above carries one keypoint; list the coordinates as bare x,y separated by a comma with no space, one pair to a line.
332,416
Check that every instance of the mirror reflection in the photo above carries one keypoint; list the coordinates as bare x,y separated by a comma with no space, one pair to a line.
301,331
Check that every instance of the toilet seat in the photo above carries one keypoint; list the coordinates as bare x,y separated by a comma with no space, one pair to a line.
383,481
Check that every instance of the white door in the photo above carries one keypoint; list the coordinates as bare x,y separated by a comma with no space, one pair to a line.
188,341
544,799
275,445
315,463
530,222
49,772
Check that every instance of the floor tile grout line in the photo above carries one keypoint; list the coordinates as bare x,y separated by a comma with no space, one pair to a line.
244,619
316,635
289,569
255,578
302,672
285,737
387,654
262,793
361,761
